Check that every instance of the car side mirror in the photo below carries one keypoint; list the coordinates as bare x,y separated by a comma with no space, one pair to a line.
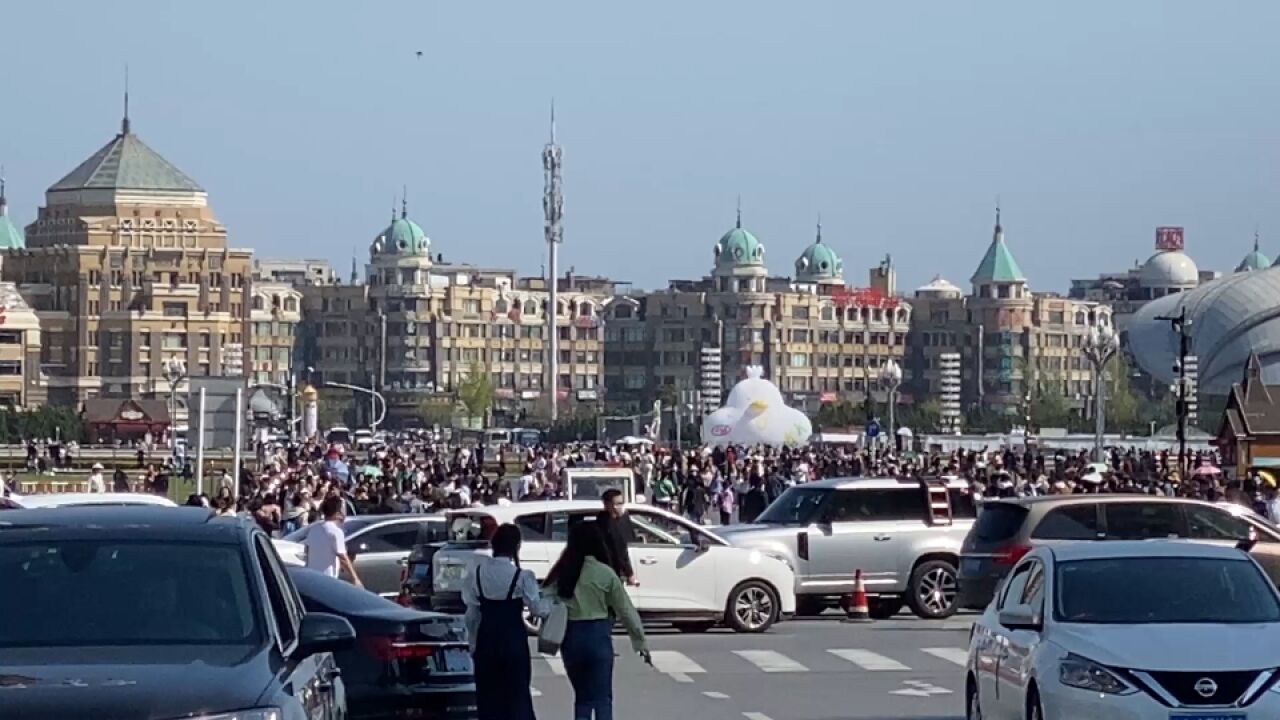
322,632
1020,617
702,543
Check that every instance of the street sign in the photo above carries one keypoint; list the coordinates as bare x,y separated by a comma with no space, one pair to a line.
873,429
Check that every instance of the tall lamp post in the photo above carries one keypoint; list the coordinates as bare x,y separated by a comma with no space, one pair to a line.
174,370
891,376
1099,346
375,396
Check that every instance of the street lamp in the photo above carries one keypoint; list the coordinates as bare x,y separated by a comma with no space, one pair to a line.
174,371
891,377
375,397
1099,345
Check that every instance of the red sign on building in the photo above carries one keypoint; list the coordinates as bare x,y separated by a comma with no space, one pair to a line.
862,297
1169,238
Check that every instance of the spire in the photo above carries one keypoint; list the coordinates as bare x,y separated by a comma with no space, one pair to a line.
4,201
819,240
553,121
739,225
404,201
393,208
124,124
354,276
999,231
1255,238
998,264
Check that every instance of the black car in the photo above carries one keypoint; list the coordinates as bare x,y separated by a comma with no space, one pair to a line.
406,663
153,613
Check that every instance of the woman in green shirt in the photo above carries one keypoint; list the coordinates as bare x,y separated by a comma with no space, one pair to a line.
593,596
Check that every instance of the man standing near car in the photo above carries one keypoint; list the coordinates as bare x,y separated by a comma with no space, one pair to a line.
618,534
326,543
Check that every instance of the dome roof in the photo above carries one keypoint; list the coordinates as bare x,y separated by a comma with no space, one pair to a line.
939,287
1169,269
402,237
739,247
819,263
1255,260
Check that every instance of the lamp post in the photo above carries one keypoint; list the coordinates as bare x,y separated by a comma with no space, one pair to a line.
374,395
891,376
1099,346
174,371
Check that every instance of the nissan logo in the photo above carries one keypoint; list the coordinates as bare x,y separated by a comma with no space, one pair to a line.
1205,687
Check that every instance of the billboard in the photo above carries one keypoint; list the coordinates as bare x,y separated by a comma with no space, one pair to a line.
1169,237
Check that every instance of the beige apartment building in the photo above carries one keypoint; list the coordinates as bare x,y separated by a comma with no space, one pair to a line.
127,267
418,326
819,340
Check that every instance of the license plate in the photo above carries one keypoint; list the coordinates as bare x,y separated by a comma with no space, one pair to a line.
1209,716
971,566
457,660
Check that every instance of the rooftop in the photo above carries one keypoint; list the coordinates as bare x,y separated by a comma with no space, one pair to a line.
127,163
998,264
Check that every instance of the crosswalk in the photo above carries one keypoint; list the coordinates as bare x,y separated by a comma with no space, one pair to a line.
684,668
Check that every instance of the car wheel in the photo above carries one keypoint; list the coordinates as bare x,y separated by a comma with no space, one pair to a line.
1034,710
752,607
809,606
884,608
972,706
693,627
931,592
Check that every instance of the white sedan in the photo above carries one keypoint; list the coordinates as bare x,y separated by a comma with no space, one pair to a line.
1159,630
687,575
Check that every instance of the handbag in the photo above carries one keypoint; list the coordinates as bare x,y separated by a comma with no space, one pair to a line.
554,625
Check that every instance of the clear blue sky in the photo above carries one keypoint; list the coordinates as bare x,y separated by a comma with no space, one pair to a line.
900,122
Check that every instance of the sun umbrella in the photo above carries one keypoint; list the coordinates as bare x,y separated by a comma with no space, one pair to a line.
1205,470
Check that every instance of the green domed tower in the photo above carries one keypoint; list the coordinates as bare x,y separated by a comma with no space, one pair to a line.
402,237
820,264
11,237
738,249
1255,260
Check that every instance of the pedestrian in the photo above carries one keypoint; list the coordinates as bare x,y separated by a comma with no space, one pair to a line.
496,629
754,501
326,543
618,532
97,484
593,595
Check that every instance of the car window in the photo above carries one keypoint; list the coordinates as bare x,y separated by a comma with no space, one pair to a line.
397,537
870,505
999,521
962,505
533,527
796,506
1012,594
1069,522
278,597
654,529
1206,523
562,521
431,531
1033,592
1143,521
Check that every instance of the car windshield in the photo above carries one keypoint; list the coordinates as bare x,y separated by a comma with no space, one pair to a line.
796,506
1143,590
93,593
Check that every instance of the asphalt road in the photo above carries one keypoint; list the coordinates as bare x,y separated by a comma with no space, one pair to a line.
810,669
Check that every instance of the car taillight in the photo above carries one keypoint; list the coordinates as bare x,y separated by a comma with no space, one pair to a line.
389,648
1011,554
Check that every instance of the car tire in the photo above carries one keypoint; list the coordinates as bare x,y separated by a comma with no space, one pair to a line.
752,607
884,608
1035,711
693,627
932,590
810,606
972,704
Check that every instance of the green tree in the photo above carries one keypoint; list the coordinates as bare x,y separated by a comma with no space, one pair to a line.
1123,405
925,417
1049,407
333,406
435,410
476,392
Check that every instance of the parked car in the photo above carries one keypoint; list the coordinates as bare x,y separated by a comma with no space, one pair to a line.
144,612
379,544
1009,528
406,662
688,575
1128,629
54,500
903,534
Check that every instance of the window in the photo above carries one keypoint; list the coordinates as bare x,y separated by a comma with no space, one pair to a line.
1017,585
654,529
10,367
1205,523
10,337
397,537
283,604
174,309
532,527
1143,521
1071,522
1033,594
871,505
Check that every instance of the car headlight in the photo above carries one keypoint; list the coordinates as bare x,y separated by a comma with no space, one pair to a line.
1078,672
252,714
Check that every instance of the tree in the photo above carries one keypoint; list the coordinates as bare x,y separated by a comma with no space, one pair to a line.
1123,410
333,406
476,392
924,417
1049,407
435,410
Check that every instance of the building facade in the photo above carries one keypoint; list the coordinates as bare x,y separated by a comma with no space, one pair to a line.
127,267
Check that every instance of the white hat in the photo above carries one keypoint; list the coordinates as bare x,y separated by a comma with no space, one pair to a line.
97,466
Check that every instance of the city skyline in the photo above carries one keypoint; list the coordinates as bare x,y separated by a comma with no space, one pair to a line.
787,142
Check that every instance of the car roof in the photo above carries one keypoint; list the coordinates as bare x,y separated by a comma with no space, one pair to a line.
503,512
880,483
1075,499
386,517
150,522
1165,548
53,500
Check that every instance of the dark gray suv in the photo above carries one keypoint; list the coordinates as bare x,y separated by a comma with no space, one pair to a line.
1008,528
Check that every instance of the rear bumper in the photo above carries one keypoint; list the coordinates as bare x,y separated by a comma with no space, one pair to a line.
448,602
445,701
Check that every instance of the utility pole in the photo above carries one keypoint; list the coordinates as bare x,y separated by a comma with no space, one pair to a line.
1182,325
288,399
553,210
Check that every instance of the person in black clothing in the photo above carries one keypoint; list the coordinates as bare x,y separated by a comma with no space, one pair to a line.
618,534
754,501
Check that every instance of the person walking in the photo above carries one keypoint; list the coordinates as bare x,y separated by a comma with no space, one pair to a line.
495,626
618,533
593,595
326,543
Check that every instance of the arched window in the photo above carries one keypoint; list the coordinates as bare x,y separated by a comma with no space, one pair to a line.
291,304
258,302
584,309
530,307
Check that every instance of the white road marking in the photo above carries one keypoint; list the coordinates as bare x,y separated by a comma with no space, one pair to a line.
756,716
680,677
770,661
920,688
868,660
959,656
672,662
715,695
557,665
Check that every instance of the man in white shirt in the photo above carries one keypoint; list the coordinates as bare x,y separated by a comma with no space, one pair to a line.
326,543
97,483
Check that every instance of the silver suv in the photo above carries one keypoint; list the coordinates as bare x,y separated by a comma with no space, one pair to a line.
903,534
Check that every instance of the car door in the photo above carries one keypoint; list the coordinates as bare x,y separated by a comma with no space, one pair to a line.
538,551
673,573
1015,663
312,680
377,553
992,648
865,529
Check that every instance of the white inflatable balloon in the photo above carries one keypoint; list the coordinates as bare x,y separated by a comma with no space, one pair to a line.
755,414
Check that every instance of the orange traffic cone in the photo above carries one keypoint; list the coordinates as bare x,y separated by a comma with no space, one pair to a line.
857,609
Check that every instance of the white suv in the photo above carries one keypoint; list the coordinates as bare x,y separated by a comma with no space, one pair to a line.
687,576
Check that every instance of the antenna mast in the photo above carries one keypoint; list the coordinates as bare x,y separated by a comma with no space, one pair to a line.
553,210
